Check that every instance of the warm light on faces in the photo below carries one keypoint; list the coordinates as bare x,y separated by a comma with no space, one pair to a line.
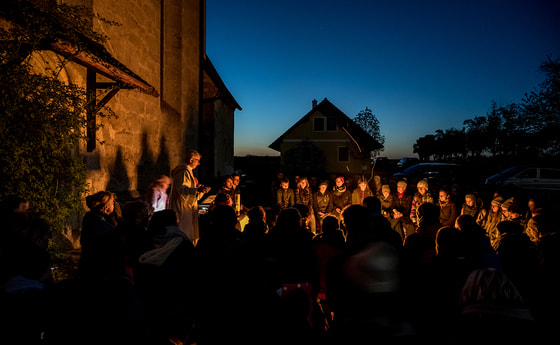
194,162
442,196
401,189
469,202
421,190
386,194
109,207
363,186
505,212
229,183
284,185
323,188
495,208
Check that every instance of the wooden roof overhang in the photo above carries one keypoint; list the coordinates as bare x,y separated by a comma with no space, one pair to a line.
95,58
108,67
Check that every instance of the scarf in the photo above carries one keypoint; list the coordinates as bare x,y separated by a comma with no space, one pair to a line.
340,189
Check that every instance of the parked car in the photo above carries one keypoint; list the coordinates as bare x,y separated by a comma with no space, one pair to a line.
526,178
405,162
437,174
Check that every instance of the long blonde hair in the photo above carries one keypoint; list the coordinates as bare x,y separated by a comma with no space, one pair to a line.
490,286
99,200
303,179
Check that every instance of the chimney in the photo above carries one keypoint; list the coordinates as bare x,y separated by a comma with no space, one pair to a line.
314,104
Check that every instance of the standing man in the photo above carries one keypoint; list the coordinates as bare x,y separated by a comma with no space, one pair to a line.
185,193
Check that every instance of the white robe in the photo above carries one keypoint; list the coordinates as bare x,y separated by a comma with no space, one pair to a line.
183,200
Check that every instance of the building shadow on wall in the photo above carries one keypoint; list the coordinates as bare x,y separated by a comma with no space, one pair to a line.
118,179
149,168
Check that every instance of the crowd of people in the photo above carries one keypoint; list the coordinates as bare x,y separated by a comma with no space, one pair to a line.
328,262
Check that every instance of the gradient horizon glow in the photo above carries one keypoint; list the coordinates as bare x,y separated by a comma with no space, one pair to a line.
419,66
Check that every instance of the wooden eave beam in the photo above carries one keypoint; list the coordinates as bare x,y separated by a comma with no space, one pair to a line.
93,63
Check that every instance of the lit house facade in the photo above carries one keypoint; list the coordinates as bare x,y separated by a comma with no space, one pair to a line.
344,145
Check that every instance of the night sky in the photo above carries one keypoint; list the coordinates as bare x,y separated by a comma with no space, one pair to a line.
419,66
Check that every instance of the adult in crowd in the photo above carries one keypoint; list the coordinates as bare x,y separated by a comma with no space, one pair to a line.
489,218
103,290
322,204
304,196
519,258
387,200
98,224
227,187
156,194
133,229
361,192
285,196
165,279
376,187
185,194
472,206
401,212
290,247
422,196
447,209
342,197
493,311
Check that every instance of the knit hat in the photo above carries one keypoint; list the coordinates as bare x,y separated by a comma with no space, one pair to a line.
422,183
497,201
340,178
385,188
324,182
506,204
470,196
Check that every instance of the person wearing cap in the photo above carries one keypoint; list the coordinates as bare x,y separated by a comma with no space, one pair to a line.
471,206
505,208
387,200
489,219
422,196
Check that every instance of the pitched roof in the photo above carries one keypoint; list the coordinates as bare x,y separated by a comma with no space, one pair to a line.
223,91
356,133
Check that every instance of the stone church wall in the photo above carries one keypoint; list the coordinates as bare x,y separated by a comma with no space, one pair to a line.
160,42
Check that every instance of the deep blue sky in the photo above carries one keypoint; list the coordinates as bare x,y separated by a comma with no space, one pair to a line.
419,65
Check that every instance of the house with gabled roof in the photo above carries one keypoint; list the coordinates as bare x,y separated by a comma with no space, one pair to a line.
328,138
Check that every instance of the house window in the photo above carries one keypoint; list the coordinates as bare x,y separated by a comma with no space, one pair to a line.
318,124
322,124
343,154
331,123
